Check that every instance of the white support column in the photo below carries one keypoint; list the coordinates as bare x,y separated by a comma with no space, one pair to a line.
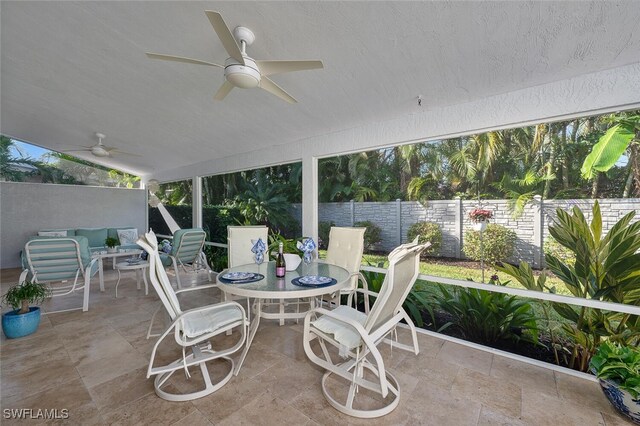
459,228
310,197
196,196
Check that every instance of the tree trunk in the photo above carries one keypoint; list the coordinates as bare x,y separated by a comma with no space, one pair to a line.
634,161
565,160
25,307
595,185
550,165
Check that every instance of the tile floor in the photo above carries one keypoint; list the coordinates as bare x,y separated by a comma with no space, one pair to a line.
94,364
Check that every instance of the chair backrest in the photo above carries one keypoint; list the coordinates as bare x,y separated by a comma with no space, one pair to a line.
239,241
404,267
345,249
187,244
158,275
56,259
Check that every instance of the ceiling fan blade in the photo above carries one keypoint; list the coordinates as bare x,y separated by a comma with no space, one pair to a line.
223,91
181,59
225,36
117,151
271,87
279,67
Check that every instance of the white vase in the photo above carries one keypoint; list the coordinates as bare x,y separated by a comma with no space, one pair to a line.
111,250
292,261
480,225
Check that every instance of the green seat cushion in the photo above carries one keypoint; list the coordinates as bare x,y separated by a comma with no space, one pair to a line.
95,236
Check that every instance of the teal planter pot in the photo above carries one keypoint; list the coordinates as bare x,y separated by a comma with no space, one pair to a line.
16,325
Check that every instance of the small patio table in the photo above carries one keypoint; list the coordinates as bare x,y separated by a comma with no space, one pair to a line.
101,256
271,287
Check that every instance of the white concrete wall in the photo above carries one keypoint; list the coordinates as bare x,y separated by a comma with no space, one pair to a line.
27,208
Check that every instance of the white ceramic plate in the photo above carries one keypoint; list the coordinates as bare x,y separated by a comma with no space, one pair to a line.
238,275
314,279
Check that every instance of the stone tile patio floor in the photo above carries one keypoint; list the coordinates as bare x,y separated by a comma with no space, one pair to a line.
94,365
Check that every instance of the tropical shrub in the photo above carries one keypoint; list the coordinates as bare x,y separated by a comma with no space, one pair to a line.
607,267
487,317
373,234
557,250
426,232
323,234
498,243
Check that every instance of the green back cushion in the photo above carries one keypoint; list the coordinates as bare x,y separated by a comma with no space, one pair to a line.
96,236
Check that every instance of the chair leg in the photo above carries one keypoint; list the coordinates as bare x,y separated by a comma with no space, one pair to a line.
177,271
87,282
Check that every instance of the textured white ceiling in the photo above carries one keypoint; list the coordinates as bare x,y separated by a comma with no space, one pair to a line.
71,69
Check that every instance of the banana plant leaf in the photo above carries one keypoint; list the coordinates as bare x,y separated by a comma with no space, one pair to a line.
608,150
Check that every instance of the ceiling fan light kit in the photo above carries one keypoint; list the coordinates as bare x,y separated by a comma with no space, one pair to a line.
240,70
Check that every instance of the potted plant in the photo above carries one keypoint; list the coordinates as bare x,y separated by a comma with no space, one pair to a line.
112,244
25,320
618,370
480,218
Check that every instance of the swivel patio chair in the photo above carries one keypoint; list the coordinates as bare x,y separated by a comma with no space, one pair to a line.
63,263
187,252
192,329
357,336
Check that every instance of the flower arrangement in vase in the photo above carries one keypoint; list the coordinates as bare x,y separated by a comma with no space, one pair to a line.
480,218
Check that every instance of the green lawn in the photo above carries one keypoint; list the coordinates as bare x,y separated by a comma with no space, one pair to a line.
464,273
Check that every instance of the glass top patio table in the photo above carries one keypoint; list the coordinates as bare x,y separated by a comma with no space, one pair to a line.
271,287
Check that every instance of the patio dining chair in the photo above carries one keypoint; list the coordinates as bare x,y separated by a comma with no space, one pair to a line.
193,330
345,249
357,335
239,240
65,264
187,251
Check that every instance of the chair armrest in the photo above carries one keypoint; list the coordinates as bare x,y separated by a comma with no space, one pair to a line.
23,276
198,287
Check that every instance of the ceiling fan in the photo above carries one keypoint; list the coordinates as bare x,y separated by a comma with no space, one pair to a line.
101,150
240,70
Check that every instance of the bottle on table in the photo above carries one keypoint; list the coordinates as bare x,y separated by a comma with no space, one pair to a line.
281,266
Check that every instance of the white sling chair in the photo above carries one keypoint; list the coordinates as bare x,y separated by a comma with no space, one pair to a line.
357,336
192,330
345,249
63,263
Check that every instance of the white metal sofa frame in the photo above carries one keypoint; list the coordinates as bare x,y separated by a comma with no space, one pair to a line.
357,335
58,260
192,329
190,250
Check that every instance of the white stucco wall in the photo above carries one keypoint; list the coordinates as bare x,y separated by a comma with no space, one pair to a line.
29,207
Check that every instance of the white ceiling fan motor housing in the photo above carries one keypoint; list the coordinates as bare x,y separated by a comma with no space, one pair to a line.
243,76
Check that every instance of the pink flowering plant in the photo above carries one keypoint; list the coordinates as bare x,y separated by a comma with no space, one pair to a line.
480,215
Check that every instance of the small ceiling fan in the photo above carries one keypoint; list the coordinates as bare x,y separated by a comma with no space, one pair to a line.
240,70
101,150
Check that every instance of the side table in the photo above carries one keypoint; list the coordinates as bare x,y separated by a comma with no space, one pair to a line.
140,268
